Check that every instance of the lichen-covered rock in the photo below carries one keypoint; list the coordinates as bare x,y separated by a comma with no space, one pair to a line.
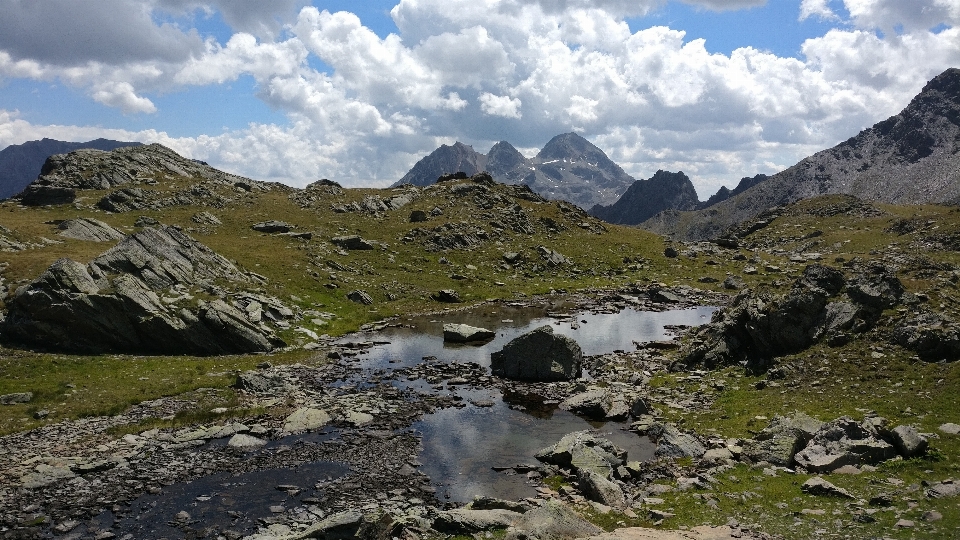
539,355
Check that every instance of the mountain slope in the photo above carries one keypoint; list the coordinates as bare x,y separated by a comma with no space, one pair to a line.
568,167
646,198
20,163
910,158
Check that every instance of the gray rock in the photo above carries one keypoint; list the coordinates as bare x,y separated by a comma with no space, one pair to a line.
113,305
360,297
41,195
843,442
596,487
306,419
552,521
539,355
664,296
352,242
582,451
418,216
206,218
733,283
489,503
552,258
271,227
932,336
464,333
908,442
673,443
448,296
260,383
950,428
89,229
17,397
241,440
820,487
468,521
46,475
783,437
947,488
336,527
604,404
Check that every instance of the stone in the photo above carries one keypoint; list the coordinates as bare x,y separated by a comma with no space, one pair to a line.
603,404
45,195
664,296
733,283
469,521
418,216
673,443
551,521
489,503
113,304
351,242
947,488
261,383
89,229
306,419
670,252
338,526
272,226
932,515
242,440
46,475
539,355
718,456
551,257
464,333
448,296
582,451
908,442
360,297
843,442
949,428
820,487
702,532
206,218
17,397
598,488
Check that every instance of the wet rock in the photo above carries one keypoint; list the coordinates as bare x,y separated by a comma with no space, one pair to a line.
449,296
820,487
465,521
241,440
464,333
18,397
673,443
271,227
552,521
539,355
360,297
306,419
89,229
582,451
352,242
908,442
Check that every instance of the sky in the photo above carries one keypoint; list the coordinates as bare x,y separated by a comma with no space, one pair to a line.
359,91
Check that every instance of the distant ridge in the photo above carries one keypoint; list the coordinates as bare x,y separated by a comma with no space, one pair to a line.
568,167
646,198
20,163
910,158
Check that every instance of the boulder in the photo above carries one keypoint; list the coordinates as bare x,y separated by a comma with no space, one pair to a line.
338,526
89,229
360,297
418,216
241,440
206,218
539,355
551,521
947,488
272,226
113,304
604,404
582,451
783,437
843,442
820,487
932,336
673,443
908,442
733,283
17,397
466,521
598,488
448,296
464,333
306,419
352,242
42,195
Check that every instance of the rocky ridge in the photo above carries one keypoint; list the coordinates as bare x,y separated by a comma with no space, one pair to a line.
646,198
910,158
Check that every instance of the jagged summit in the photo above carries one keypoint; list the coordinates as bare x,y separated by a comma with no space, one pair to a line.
910,158
569,167
646,198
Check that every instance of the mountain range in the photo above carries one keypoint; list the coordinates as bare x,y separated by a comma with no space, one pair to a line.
568,167
910,158
20,163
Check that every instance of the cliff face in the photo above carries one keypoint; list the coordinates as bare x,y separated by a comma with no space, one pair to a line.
910,158
646,198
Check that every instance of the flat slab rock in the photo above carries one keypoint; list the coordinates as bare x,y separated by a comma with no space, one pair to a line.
464,333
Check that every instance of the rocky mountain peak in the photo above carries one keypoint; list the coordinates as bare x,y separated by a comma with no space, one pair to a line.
646,198
445,160
572,147
503,157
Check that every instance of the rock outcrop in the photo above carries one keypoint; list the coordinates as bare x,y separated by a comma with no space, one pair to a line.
89,229
138,297
539,355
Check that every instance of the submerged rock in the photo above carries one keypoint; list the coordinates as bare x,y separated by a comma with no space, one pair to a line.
539,355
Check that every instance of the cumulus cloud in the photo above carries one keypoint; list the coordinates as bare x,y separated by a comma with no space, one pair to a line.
484,70
504,106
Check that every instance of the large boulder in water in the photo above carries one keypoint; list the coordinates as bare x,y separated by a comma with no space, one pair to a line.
539,355
123,302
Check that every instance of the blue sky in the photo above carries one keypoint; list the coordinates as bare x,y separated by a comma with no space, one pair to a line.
358,91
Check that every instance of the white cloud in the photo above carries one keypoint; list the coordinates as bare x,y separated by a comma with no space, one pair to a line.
504,106
817,8
484,70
